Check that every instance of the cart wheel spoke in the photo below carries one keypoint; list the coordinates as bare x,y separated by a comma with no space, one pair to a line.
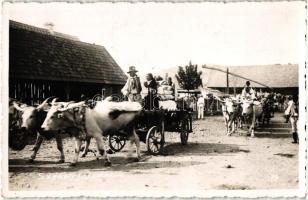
156,146
153,147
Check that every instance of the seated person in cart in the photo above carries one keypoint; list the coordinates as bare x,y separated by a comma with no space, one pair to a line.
166,90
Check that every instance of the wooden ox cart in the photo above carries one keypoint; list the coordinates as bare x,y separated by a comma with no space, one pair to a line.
151,128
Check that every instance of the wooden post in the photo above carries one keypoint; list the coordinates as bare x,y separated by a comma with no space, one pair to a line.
67,91
103,93
227,80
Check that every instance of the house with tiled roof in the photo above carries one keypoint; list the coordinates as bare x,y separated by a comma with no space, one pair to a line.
45,63
281,78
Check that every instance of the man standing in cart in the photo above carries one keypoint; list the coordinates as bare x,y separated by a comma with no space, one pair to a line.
132,88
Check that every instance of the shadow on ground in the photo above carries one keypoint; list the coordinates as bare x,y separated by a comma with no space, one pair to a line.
118,164
122,163
200,149
272,135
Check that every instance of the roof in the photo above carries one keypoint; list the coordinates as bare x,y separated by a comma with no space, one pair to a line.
275,76
36,53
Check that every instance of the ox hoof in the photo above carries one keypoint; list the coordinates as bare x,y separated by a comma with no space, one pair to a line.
107,163
73,164
109,151
31,160
83,155
133,159
61,161
136,159
252,135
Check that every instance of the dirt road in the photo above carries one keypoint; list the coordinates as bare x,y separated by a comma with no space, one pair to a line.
211,160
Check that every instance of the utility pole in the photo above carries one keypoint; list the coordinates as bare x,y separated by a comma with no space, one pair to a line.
236,75
227,80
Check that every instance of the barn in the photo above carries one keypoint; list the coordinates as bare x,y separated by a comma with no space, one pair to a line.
45,63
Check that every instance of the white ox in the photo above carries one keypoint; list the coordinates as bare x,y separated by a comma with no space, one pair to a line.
252,110
31,120
231,110
105,117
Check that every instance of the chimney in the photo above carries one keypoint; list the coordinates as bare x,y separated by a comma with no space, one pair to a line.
49,26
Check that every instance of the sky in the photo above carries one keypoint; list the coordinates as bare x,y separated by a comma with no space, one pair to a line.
155,36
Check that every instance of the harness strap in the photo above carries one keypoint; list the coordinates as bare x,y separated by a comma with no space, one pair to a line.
80,121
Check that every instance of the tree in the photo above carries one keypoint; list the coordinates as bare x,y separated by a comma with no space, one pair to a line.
190,78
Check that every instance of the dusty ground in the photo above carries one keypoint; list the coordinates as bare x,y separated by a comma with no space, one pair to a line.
211,160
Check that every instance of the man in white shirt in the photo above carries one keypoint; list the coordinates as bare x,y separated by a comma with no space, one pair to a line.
200,105
292,112
248,92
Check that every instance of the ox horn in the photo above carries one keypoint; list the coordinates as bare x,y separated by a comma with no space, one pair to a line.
54,101
41,106
17,107
71,106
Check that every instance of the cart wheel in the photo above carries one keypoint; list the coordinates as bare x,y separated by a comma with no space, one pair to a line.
185,127
155,140
116,142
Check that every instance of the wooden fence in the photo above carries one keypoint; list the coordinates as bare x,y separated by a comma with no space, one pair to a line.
34,92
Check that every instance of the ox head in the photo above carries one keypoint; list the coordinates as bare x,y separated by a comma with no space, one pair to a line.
247,106
229,104
30,115
61,116
19,117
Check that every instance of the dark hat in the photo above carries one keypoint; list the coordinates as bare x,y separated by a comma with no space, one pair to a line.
150,75
132,69
248,83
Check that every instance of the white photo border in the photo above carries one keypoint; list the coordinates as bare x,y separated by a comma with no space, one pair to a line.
284,193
